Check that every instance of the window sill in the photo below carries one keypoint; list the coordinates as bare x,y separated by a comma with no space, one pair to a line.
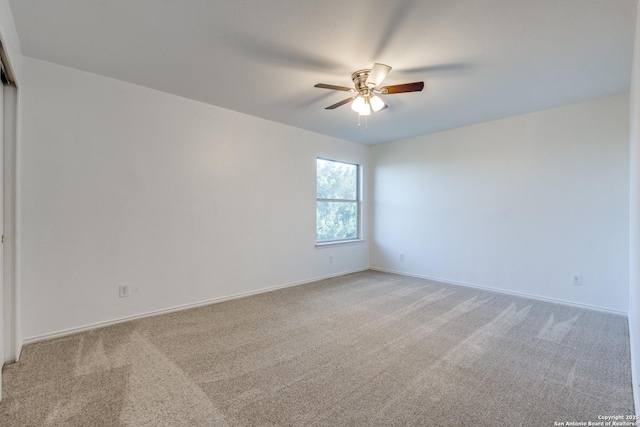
339,243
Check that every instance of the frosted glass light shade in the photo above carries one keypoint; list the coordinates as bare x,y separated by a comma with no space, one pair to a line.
357,104
376,103
365,110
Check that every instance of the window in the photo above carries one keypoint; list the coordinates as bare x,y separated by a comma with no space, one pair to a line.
338,201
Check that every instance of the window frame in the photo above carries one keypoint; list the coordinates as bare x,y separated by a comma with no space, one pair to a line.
357,201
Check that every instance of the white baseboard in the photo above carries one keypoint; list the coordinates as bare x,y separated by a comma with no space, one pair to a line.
502,291
97,325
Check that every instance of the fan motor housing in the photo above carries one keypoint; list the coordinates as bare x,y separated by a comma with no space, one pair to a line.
360,78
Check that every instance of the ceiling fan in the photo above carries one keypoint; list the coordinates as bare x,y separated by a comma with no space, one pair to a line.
367,88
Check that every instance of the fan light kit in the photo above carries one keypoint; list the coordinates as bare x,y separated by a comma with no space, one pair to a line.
367,87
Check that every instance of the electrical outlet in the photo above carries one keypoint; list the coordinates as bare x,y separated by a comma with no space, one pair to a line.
576,280
330,259
124,291
401,257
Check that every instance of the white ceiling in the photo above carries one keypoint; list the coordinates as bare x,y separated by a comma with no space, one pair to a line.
480,59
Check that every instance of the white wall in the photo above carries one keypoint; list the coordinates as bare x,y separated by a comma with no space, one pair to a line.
187,202
517,204
184,201
634,217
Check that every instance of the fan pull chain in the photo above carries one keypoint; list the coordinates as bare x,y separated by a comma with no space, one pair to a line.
366,122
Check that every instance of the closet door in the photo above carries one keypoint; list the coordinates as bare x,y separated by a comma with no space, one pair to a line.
2,233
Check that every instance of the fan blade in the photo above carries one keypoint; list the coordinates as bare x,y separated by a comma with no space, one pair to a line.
332,87
447,68
341,103
377,74
407,87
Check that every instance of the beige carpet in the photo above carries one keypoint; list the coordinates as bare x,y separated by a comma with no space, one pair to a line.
364,349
